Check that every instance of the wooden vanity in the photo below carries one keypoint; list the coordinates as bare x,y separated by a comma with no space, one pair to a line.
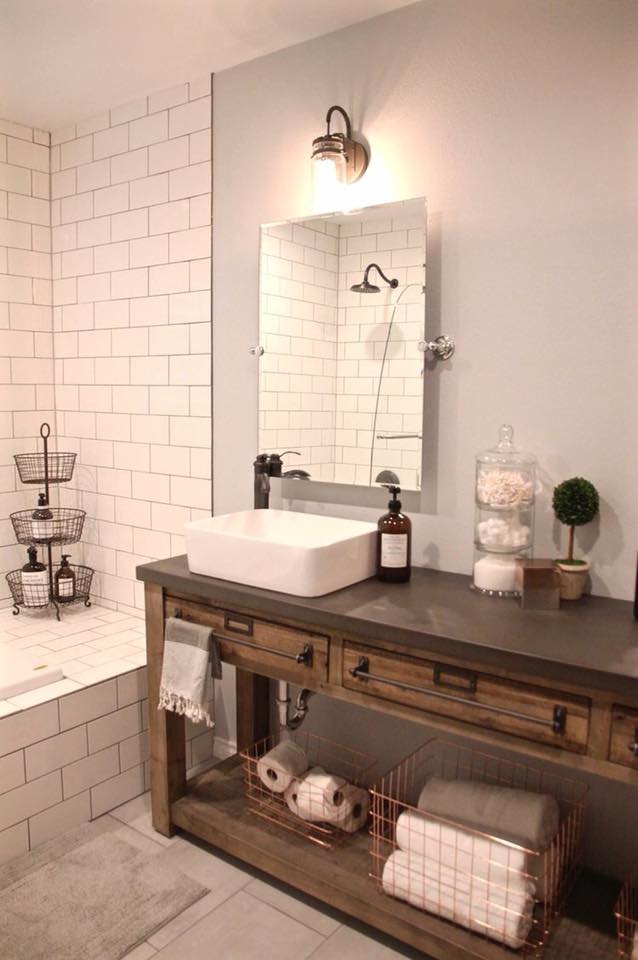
559,687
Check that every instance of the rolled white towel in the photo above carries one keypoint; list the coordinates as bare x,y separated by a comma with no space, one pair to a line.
529,819
281,765
503,914
498,862
353,812
318,797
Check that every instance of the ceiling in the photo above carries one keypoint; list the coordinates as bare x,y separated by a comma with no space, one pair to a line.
65,60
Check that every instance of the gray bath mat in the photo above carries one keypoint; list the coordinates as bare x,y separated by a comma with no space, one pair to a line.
88,895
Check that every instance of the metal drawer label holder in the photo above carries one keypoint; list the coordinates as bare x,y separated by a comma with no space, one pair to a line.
557,723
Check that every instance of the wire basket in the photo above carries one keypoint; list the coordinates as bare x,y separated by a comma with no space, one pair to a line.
627,917
33,595
37,595
490,885
31,467
65,526
348,765
83,580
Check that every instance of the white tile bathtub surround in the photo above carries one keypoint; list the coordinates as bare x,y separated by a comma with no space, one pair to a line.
26,320
131,268
85,750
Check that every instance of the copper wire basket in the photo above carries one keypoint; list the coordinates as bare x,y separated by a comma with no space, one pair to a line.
350,765
494,887
627,917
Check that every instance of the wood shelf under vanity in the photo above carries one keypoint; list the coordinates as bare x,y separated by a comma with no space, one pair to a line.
559,687
215,810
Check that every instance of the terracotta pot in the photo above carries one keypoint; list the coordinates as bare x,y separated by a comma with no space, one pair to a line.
573,578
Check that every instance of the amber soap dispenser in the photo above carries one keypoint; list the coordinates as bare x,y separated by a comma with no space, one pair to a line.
394,540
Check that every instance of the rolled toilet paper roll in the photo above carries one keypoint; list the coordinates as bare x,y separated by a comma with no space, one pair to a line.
290,796
318,797
281,765
353,812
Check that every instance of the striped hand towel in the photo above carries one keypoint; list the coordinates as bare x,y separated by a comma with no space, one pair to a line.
191,662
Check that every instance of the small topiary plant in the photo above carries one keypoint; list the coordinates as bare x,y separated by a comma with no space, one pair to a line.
575,503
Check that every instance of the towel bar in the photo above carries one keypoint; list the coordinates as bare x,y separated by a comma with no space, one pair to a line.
557,723
304,657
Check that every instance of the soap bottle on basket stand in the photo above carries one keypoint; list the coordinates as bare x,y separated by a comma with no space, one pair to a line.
65,581
394,541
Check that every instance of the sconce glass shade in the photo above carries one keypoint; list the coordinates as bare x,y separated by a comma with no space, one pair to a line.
337,160
329,173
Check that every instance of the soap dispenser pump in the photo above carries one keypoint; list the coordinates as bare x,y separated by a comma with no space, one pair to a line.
394,540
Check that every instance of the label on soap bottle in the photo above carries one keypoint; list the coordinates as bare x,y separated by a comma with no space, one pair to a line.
35,588
65,586
394,549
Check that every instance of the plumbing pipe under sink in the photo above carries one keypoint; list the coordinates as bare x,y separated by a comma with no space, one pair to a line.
301,706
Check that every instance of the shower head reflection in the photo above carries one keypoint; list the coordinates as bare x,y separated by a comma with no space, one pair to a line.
366,287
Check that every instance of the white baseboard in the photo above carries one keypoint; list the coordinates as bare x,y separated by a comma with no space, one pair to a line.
223,749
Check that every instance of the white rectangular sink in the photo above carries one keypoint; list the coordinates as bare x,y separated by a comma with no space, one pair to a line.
298,553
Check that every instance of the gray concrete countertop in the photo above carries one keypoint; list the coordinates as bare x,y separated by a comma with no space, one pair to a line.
593,641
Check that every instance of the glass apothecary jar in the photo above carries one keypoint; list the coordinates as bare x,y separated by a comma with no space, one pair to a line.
504,514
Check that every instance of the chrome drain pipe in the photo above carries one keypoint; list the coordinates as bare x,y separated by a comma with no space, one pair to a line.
300,712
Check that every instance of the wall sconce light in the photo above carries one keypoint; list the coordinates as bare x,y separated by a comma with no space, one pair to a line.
337,160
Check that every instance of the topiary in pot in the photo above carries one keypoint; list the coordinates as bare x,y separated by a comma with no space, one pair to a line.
575,503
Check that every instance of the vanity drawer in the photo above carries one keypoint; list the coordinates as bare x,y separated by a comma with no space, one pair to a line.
623,744
524,710
260,646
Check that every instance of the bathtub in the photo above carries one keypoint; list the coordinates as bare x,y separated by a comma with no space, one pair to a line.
20,672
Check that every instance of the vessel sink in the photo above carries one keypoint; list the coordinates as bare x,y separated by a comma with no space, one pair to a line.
298,553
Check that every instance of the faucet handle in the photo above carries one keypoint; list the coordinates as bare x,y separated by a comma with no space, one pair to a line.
286,452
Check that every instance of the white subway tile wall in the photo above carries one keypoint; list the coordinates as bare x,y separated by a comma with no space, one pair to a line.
131,242
26,321
397,244
324,346
298,331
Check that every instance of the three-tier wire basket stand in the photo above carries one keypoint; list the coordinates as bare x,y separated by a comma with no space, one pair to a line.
64,527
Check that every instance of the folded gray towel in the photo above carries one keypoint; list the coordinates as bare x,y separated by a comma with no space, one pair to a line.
520,816
191,661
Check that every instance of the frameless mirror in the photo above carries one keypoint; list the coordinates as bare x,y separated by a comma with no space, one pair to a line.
342,319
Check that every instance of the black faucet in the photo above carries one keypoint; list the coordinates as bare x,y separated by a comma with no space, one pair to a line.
267,465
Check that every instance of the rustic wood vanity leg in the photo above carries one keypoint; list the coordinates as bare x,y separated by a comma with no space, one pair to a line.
167,735
253,708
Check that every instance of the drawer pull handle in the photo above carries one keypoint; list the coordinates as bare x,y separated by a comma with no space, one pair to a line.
634,745
468,680
243,625
304,657
557,723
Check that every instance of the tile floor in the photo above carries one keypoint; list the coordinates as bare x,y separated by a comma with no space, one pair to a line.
244,917
90,644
